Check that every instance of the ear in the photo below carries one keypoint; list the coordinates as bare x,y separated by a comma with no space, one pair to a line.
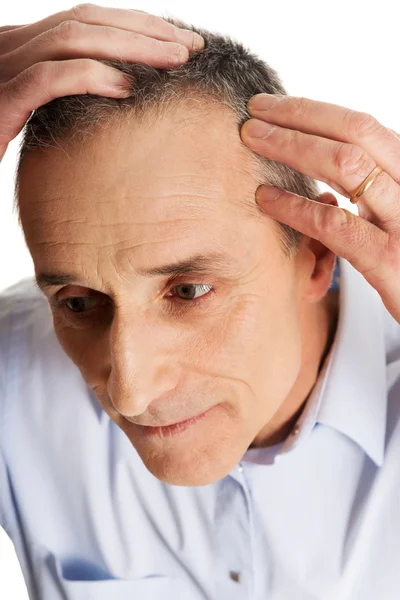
322,261
328,198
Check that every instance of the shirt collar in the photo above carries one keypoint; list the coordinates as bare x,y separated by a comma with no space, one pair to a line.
354,388
350,393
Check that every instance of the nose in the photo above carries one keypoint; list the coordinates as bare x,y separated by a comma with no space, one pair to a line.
142,366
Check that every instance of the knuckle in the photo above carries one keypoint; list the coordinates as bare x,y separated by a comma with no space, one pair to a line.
330,220
82,11
87,66
39,74
292,138
284,139
160,46
67,30
152,21
35,76
362,124
175,34
300,106
350,160
174,51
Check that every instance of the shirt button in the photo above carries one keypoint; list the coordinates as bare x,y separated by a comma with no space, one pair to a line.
296,430
235,576
240,468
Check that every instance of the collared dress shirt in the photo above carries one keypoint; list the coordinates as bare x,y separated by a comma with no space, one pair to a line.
314,518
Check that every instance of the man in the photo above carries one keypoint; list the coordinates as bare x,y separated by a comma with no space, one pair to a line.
199,406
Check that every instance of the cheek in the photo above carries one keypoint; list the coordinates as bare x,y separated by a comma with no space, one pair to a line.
279,354
256,351
257,344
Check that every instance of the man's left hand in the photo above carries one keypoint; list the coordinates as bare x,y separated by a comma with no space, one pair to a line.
340,147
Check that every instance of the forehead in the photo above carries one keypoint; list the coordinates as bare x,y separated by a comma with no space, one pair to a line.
142,181
185,147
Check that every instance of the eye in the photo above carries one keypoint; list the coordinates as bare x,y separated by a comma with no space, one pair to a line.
188,291
81,307
76,304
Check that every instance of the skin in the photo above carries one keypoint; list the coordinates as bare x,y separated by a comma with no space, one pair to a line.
144,194
354,154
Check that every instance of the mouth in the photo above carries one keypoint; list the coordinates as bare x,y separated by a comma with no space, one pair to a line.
175,429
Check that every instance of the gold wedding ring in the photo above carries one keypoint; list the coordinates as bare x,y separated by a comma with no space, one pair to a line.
368,181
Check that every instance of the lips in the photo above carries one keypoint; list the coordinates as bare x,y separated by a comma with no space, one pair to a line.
175,428
168,424
171,424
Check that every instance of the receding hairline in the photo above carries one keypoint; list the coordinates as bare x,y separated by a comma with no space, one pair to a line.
225,69
198,104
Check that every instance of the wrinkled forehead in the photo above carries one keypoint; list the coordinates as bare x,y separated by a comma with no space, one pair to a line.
184,164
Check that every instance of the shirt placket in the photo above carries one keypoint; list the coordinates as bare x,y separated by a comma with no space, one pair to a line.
233,538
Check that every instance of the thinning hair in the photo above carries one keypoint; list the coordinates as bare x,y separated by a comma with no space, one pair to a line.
224,72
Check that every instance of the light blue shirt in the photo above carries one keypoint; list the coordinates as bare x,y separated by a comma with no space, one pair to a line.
315,518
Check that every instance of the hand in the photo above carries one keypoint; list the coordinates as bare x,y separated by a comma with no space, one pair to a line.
34,69
340,147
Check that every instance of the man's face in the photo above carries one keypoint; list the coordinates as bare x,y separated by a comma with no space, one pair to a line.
161,349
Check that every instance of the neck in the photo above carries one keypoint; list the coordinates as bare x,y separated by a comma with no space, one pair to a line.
324,324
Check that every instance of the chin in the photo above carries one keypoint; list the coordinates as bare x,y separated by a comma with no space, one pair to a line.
195,465
188,470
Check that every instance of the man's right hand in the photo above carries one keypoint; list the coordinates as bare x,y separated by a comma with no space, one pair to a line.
56,57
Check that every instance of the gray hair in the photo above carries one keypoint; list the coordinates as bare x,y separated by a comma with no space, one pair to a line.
224,72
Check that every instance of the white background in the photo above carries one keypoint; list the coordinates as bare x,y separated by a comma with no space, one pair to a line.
344,52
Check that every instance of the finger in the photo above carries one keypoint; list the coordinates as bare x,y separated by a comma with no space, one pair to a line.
128,19
7,34
342,166
74,39
5,28
43,82
335,122
360,242
395,133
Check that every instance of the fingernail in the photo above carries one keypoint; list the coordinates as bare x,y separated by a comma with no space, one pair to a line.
259,129
265,193
265,101
258,195
198,42
190,38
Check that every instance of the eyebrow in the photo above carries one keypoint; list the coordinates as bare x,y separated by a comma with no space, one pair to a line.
198,263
